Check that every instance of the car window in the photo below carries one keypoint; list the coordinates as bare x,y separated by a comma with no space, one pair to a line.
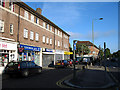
10,64
32,64
23,64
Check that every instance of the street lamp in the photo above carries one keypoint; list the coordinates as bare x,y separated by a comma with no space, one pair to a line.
93,33
74,48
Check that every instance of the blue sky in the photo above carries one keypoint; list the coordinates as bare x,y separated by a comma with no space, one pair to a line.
76,19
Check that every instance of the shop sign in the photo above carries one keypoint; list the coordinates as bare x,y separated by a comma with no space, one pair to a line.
8,46
68,53
59,51
48,50
21,49
31,48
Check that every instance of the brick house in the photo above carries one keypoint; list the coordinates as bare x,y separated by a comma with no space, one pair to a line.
94,50
25,34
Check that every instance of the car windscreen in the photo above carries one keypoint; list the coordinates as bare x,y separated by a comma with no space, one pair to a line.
12,64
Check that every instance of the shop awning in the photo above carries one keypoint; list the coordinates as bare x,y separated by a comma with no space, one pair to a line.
68,53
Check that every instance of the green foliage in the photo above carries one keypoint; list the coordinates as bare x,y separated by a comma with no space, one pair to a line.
82,47
107,51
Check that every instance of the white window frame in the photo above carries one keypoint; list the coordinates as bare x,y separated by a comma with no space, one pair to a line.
47,26
31,35
50,41
37,36
58,32
55,31
43,38
11,28
50,28
37,20
44,24
32,17
11,6
1,26
58,43
61,34
26,14
25,33
47,41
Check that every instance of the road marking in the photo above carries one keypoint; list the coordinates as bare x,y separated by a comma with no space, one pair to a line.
112,75
59,83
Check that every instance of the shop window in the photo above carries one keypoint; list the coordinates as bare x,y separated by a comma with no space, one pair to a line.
31,35
43,39
1,26
37,37
25,33
11,28
11,6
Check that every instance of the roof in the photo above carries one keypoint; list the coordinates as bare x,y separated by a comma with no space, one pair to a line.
28,8
88,43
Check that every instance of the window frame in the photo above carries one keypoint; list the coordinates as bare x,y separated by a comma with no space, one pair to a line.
32,17
50,41
2,25
12,29
37,36
47,41
25,35
31,35
43,40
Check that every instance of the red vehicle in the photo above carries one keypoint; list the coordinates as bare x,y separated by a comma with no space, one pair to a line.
70,62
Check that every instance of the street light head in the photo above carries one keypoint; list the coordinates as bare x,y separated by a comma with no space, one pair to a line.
100,18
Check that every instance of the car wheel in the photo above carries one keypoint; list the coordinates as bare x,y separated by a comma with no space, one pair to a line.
39,70
25,73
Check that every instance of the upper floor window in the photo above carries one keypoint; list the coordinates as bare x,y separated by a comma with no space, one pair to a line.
65,36
31,35
47,40
11,28
37,20
58,43
11,6
44,24
58,32
61,34
43,39
1,26
26,14
47,26
37,37
51,41
55,31
2,3
25,33
50,28
32,18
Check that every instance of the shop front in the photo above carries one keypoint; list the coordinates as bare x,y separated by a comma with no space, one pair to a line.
59,55
47,57
67,55
29,53
8,52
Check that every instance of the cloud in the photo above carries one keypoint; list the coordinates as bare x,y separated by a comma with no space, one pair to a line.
97,35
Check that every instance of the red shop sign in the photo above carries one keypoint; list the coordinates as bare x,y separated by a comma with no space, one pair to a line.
21,49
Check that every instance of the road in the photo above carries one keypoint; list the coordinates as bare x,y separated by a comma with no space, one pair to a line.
47,79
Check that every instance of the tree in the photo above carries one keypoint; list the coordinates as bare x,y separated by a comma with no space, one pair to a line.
71,55
82,49
101,53
107,51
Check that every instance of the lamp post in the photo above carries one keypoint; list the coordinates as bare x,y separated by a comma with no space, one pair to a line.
74,48
93,33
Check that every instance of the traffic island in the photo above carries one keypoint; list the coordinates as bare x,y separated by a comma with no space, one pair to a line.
89,78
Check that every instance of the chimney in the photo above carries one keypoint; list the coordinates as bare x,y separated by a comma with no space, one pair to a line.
39,10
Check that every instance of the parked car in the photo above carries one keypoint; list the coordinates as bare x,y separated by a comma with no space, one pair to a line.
23,68
86,60
70,62
61,64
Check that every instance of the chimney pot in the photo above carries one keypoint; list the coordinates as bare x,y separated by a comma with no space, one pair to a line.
39,10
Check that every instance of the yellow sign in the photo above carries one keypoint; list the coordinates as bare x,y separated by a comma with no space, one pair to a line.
68,53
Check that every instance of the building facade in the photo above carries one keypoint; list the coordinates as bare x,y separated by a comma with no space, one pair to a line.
94,50
25,34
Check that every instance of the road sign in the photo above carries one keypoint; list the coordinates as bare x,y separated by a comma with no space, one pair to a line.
74,46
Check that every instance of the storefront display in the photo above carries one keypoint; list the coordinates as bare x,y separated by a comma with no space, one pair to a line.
29,53
8,52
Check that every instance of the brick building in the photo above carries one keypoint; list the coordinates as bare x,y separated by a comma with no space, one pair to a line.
25,34
94,50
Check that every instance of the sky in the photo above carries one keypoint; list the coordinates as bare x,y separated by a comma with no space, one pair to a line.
76,19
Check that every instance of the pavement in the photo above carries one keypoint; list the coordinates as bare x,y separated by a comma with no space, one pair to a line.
90,77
